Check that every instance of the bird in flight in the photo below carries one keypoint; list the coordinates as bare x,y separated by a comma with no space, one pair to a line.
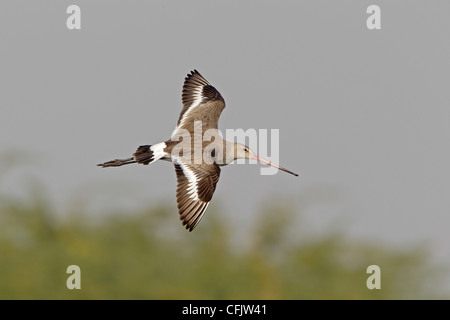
202,106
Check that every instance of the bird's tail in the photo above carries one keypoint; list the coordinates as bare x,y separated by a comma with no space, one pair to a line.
143,155
148,154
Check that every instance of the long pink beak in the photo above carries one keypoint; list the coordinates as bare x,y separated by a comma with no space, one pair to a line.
258,158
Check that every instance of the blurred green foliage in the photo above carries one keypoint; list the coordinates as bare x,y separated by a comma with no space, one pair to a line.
149,255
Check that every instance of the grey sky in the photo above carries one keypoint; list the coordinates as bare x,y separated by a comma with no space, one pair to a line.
363,113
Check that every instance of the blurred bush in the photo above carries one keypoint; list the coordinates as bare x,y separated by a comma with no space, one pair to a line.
148,255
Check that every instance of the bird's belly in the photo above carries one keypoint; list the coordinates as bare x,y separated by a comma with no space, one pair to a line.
167,158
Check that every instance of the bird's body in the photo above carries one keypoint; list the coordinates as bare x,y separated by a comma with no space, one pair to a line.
196,149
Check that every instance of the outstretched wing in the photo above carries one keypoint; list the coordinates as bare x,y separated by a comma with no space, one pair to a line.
196,186
201,102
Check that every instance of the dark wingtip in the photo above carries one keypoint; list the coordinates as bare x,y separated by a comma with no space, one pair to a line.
193,73
190,74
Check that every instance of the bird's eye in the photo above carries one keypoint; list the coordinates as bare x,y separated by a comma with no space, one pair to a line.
245,149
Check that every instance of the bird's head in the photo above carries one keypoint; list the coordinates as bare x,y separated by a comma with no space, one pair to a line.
241,151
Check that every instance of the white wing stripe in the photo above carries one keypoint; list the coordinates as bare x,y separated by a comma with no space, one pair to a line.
197,100
193,179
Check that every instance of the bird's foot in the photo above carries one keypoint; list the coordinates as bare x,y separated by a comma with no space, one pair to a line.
117,162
